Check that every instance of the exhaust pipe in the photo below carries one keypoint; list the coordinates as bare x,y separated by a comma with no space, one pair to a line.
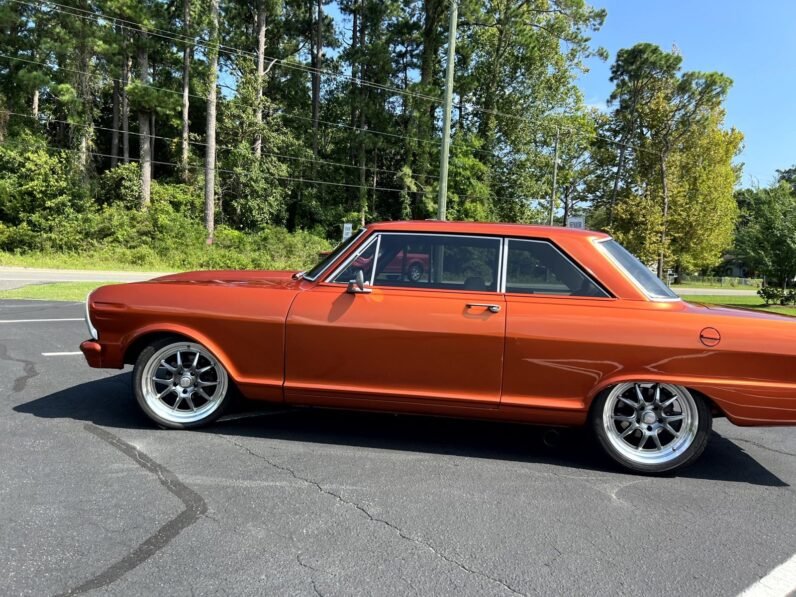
551,438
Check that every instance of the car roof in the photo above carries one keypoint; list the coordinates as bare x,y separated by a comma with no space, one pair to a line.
490,228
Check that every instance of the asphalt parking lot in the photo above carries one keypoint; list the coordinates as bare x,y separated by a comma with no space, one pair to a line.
95,500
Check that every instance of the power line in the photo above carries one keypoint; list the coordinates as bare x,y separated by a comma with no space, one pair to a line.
228,171
48,119
178,37
181,38
174,36
338,124
357,128
224,170
563,127
96,76
275,114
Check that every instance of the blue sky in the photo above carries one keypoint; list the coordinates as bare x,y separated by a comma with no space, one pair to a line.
754,43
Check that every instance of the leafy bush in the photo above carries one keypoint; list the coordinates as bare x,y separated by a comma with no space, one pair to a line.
771,295
185,199
121,184
36,186
46,210
16,238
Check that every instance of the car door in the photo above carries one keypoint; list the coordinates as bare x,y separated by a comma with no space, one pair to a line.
430,329
559,330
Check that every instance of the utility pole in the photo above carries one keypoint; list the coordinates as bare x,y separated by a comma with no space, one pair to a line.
446,118
210,155
555,178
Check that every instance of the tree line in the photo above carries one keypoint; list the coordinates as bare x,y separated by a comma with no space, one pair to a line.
235,117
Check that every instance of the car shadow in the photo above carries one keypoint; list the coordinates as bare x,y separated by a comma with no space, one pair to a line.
108,402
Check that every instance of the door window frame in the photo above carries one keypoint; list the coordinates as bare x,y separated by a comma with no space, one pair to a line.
567,258
498,271
501,272
346,246
375,238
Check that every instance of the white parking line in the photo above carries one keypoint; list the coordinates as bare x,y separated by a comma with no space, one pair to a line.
60,354
39,320
779,582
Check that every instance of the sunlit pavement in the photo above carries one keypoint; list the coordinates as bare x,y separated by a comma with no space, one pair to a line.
314,502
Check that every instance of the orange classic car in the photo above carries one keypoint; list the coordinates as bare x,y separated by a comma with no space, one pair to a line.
543,325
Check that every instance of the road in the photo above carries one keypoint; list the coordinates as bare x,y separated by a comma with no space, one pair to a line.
683,291
16,277
331,503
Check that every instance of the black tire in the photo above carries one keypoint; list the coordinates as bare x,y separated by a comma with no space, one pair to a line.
219,386
689,447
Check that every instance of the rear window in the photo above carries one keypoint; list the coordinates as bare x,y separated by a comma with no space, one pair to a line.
537,267
651,284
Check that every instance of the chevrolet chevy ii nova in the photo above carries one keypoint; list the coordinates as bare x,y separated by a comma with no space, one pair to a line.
542,325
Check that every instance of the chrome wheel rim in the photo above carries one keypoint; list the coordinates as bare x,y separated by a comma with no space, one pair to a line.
415,272
650,423
183,383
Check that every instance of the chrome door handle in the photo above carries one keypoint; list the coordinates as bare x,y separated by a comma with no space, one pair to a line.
489,307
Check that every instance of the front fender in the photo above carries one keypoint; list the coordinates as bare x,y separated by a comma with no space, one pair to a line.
138,338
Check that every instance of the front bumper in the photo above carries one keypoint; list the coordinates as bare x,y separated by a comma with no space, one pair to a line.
92,350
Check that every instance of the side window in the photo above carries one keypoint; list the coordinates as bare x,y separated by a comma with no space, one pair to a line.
443,262
537,267
362,260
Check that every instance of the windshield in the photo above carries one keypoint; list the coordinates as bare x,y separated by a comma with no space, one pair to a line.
316,271
652,286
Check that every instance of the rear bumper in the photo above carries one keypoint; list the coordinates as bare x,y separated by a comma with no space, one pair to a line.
93,353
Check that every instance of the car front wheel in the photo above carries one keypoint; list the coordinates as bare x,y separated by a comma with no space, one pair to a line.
180,384
651,427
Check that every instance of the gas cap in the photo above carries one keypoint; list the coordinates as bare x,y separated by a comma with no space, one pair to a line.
710,337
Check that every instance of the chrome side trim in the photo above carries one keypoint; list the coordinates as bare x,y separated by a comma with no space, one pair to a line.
504,256
375,260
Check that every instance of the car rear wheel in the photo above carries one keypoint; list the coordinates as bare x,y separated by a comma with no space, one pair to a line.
651,427
180,384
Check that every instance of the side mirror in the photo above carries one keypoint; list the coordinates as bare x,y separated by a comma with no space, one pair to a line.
357,285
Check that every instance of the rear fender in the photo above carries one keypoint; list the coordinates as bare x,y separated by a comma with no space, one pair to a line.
675,380
696,385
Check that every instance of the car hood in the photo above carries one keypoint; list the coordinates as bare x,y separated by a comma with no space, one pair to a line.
272,279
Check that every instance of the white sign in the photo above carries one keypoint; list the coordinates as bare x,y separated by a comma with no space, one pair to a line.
348,230
578,222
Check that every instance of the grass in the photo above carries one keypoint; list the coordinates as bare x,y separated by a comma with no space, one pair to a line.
77,261
716,285
59,291
744,302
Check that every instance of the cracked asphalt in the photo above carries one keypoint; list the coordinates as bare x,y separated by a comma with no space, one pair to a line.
273,502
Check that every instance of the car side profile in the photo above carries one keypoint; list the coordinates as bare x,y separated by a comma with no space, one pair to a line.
542,325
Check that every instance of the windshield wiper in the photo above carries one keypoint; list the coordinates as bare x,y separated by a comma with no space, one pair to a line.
298,275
